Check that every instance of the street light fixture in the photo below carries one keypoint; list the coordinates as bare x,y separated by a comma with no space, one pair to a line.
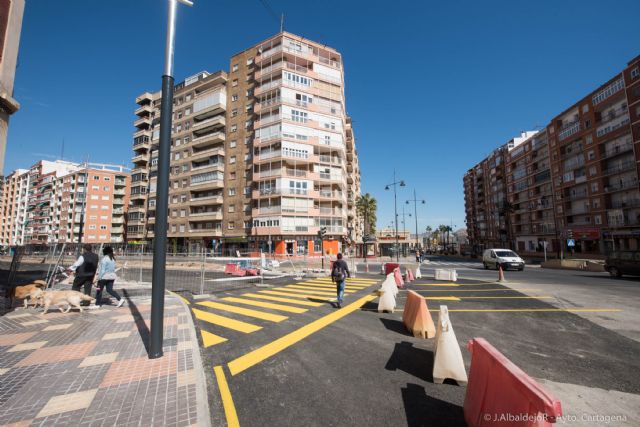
415,207
162,190
395,207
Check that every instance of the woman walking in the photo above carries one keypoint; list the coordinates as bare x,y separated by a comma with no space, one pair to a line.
106,276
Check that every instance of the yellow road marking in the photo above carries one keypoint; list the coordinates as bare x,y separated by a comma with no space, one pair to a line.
245,311
442,298
272,306
477,290
353,281
186,301
312,289
304,291
289,300
254,357
331,286
227,399
290,295
209,339
533,297
226,322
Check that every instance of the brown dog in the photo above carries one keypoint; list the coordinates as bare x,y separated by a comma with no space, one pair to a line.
26,291
70,298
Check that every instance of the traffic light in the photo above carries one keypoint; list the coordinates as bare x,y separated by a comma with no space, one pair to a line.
322,232
569,233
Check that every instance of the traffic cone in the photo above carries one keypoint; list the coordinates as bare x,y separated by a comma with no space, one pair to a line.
500,274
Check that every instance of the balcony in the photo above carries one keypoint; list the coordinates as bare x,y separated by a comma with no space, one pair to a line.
138,196
204,216
145,110
143,123
207,200
118,201
119,220
117,230
140,159
209,138
568,130
621,185
622,167
208,124
144,98
217,107
623,222
206,231
623,204
216,151
207,167
119,192
617,150
120,182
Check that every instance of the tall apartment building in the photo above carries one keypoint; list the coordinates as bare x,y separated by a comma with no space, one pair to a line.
355,225
197,164
577,178
11,12
13,207
275,157
52,201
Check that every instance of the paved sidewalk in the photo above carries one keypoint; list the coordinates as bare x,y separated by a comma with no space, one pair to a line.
91,368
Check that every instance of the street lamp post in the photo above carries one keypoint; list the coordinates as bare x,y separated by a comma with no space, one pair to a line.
162,190
395,207
415,212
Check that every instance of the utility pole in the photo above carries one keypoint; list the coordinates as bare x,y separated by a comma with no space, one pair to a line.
415,211
162,190
395,208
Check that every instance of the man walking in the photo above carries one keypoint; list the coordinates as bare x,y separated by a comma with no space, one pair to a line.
85,269
339,274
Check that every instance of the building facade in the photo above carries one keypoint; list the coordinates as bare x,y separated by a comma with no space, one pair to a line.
263,156
52,202
572,187
11,12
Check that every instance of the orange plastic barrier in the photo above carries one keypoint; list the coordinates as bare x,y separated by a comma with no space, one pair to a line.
416,316
389,267
398,278
500,393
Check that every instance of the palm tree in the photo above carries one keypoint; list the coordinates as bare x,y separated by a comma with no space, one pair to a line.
443,232
366,206
428,233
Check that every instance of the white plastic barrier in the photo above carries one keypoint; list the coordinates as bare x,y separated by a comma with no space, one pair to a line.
389,284
418,274
449,275
388,291
447,361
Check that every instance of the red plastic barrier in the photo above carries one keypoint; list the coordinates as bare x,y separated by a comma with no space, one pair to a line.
389,267
410,277
252,271
398,278
231,268
501,394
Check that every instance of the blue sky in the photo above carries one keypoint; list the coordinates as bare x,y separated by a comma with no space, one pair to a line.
432,86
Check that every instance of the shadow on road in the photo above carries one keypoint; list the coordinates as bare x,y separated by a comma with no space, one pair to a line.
423,410
393,325
412,360
143,329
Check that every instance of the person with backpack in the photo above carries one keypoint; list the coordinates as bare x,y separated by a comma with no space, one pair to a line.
339,274
107,276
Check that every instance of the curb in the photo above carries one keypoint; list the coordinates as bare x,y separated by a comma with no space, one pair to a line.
204,416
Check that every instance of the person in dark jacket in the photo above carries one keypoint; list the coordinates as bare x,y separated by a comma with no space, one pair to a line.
339,274
85,269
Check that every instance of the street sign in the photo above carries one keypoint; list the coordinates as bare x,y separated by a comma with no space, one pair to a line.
571,242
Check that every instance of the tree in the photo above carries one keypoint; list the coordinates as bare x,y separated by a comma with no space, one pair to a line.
366,206
428,231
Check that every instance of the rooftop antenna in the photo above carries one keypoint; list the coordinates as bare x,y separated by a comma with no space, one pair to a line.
62,150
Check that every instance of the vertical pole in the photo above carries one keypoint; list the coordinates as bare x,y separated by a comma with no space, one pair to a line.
395,208
162,195
204,261
415,212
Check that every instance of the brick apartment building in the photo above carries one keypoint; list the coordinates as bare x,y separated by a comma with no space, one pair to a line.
262,156
577,178
48,203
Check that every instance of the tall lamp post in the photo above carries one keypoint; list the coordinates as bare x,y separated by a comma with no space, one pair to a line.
395,207
162,190
415,211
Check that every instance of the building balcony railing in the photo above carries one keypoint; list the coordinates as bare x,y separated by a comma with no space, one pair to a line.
568,130
621,185
208,138
617,150
622,167
622,204
610,127
577,195
211,215
623,222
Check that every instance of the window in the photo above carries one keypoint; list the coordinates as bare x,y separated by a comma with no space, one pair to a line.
589,139
249,61
247,140
103,217
234,67
234,82
594,187
249,93
591,155
93,207
107,178
105,197
96,178
93,217
247,157
183,213
182,228
596,203
232,175
174,213
173,228
593,171
635,73
103,227
231,209
585,108
299,116
234,112
234,97
232,191
597,219
104,207
232,160
106,188
234,128
174,199
94,197
92,227
232,144
248,123
231,225
247,190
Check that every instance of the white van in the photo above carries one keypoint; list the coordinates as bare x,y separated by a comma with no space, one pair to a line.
505,257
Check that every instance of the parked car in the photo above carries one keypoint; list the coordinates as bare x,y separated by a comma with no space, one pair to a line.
502,257
623,262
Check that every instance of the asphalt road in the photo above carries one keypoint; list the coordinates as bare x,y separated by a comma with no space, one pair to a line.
365,369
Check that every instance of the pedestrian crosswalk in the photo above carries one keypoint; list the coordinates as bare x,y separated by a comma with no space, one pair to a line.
452,264
250,312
